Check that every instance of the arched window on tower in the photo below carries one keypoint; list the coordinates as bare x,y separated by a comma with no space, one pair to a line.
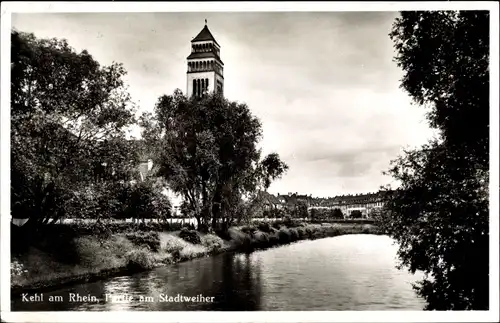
206,85
194,87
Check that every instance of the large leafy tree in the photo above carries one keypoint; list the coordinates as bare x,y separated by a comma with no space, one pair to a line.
207,151
68,115
440,213
145,200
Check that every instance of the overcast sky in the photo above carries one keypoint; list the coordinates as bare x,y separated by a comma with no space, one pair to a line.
323,84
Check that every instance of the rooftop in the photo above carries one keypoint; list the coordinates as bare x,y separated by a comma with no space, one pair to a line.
204,35
202,55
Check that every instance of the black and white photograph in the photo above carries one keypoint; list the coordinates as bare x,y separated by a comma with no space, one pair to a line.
265,160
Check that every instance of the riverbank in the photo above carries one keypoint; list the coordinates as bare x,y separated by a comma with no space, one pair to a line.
126,253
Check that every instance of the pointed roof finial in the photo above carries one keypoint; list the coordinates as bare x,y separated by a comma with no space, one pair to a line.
205,21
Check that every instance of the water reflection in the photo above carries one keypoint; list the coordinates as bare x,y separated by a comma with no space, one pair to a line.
343,273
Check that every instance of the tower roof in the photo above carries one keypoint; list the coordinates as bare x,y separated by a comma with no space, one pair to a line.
204,35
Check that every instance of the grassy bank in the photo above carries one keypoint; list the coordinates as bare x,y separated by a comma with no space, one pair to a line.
86,258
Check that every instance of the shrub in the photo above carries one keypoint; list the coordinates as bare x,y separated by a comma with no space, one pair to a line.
260,240
294,235
188,226
140,259
17,269
318,234
92,253
337,214
192,251
149,239
190,236
309,232
301,231
366,229
239,238
333,231
248,229
172,244
212,242
265,227
356,214
284,235
273,238
277,224
163,258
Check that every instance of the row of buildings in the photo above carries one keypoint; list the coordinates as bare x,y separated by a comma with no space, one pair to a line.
365,203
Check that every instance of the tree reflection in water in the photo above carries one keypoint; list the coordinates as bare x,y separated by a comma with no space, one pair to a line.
241,288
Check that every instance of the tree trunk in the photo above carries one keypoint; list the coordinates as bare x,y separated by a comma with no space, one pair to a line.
198,222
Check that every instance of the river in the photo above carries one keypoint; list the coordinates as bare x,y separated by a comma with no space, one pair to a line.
351,272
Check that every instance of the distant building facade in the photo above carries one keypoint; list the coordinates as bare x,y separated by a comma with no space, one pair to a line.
365,203
291,200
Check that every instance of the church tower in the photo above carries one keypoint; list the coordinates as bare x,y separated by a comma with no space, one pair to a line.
204,66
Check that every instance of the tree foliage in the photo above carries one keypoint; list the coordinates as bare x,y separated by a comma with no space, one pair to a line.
300,210
445,56
145,200
337,214
207,151
356,214
439,215
68,115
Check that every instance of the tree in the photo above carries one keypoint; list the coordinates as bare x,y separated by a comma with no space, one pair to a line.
356,214
68,116
337,214
301,210
439,215
207,151
314,214
145,200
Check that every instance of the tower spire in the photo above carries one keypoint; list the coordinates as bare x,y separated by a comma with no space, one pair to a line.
205,21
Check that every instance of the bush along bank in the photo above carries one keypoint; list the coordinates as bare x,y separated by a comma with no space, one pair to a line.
87,258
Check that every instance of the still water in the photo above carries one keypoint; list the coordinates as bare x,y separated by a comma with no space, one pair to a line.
352,272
